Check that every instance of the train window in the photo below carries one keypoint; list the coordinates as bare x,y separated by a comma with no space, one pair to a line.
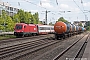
52,28
18,27
47,28
42,28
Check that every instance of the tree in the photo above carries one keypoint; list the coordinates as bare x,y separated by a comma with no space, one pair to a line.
36,17
10,24
51,23
87,23
27,17
63,20
87,26
16,18
1,23
21,15
80,24
6,22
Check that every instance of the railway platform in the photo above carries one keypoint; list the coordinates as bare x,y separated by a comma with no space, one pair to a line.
86,55
6,33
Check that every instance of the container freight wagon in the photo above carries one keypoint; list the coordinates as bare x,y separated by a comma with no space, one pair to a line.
22,29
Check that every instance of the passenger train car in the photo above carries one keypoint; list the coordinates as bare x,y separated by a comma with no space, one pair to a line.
22,29
45,29
63,30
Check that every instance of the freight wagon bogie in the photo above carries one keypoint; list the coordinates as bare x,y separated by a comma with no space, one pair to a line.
59,36
62,36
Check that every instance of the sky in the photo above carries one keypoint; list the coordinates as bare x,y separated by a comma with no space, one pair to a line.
71,10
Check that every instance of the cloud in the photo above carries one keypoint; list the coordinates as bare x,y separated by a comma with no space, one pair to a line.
76,10
45,0
64,6
34,10
87,4
45,3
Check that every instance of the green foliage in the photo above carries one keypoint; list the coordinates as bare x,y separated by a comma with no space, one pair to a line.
1,24
87,26
80,24
7,23
26,17
36,17
10,24
51,23
21,15
63,20
16,18
40,22
87,23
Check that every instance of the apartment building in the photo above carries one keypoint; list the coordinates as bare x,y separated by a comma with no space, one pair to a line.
8,8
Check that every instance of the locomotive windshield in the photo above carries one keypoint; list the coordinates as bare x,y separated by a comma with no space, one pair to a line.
18,27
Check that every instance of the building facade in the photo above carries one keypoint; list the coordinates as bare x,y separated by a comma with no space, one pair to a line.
80,22
8,8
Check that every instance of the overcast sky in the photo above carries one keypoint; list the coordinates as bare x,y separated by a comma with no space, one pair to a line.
78,8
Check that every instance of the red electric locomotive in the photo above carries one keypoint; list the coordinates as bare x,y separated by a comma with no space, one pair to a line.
22,29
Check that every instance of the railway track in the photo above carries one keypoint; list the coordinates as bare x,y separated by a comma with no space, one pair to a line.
49,53
38,55
17,39
73,51
16,51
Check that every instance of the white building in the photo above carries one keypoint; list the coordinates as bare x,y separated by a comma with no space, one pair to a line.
8,8
80,22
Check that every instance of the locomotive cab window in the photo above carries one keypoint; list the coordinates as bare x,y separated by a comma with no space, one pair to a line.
18,27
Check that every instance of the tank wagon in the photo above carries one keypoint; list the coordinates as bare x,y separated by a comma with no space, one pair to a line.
22,29
63,30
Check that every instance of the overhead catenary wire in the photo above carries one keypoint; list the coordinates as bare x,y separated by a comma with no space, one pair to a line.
78,7
34,4
81,9
41,5
82,4
56,2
